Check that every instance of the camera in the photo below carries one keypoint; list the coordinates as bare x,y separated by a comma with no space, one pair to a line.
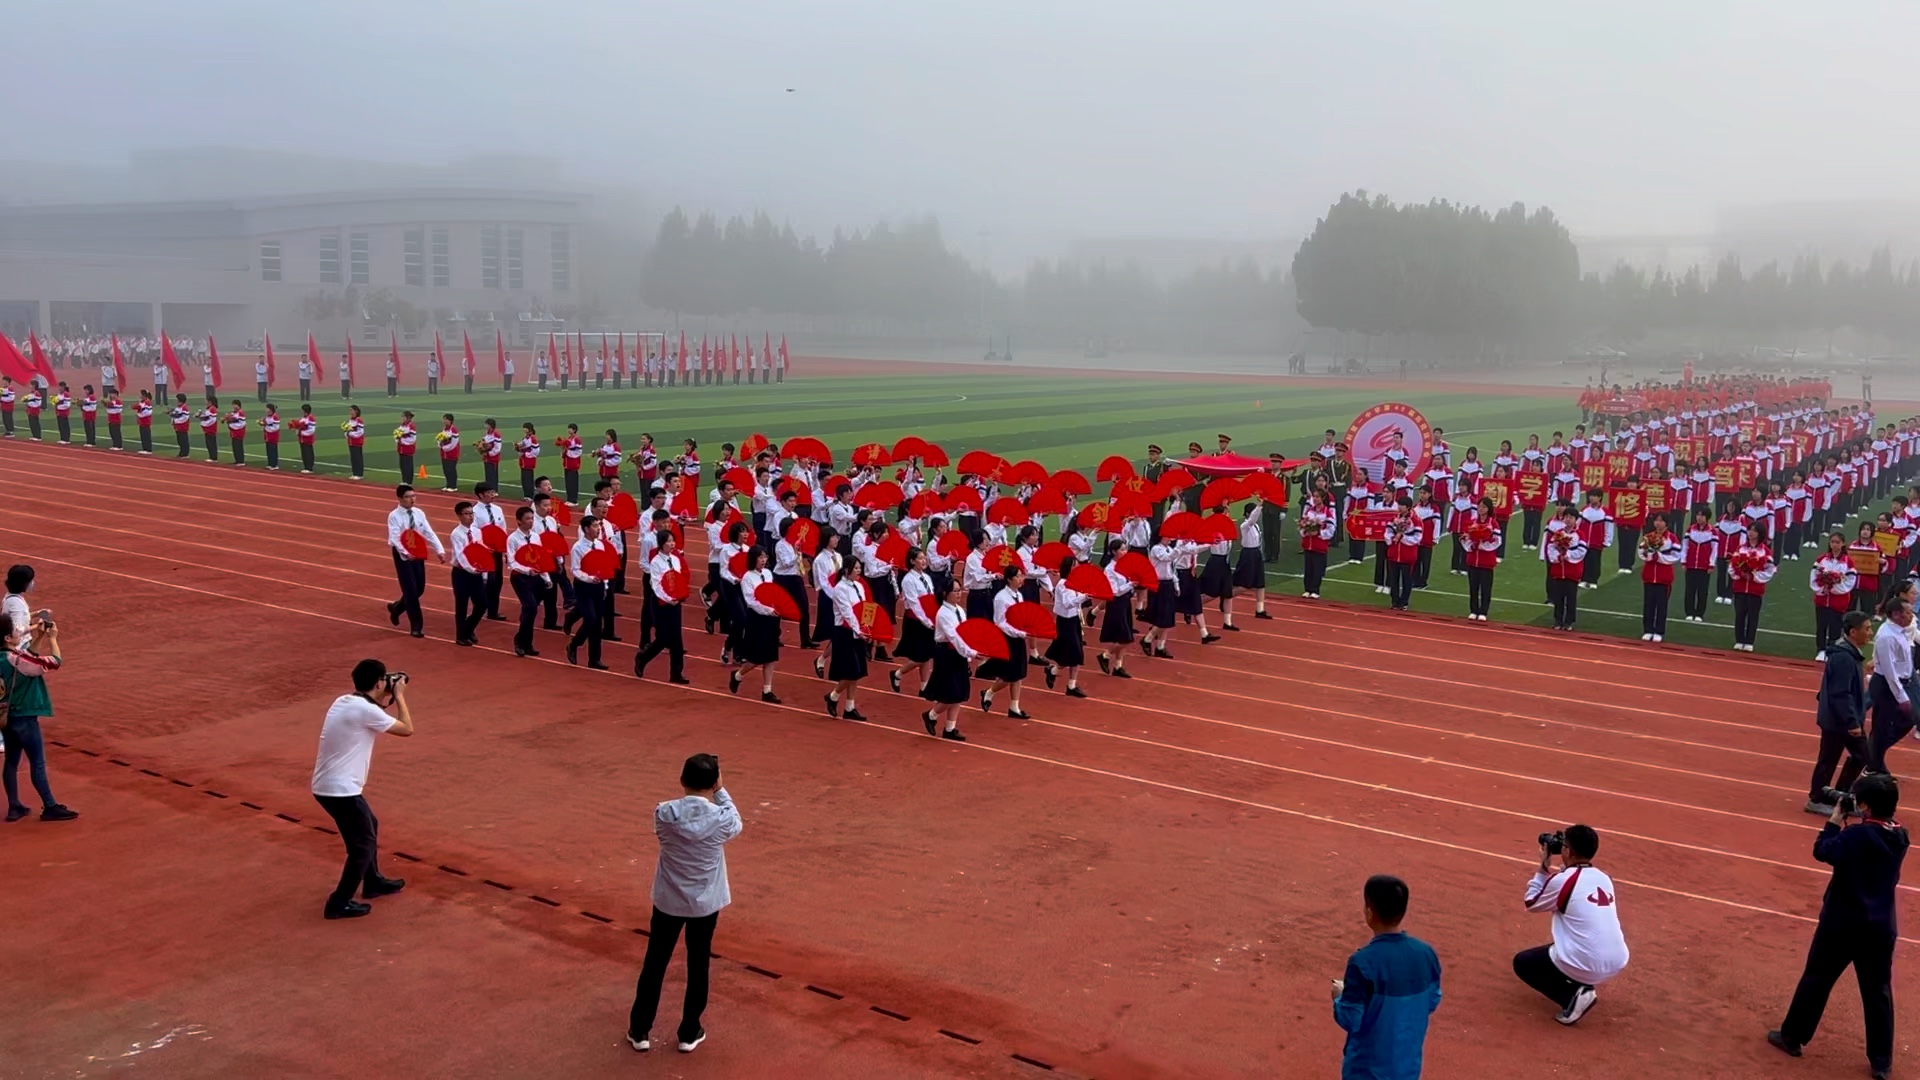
1554,842
45,617
1846,803
393,679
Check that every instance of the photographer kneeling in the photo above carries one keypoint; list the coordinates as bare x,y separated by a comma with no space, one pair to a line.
1858,923
340,777
1588,947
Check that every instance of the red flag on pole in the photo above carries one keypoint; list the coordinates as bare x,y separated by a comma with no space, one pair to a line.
272,364
213,361
38,361
439,354
119,365
313,357
706,356
553,354
172,361
683,356
783,354
467,365
350,376
733,351
500,351
766,350
393,351
620,348
14,365
566,353
580,349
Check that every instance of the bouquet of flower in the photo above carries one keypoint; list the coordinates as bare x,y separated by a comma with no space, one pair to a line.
443,438
1745,561
1825,580
1480,532
399,432
346,427
1563,540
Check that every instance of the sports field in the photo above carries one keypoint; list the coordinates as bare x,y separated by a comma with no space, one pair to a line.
1064,420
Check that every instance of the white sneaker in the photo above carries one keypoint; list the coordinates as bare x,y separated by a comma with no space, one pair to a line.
1658,638
1583,999
686,1047
1820,657
1646,637
1623,570
642,1045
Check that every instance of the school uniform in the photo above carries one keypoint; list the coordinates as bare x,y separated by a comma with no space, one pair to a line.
787,574
916,628
979,584
1162,601
849,660
1749,592
1216,577
1403,556
1481,556
760,642
667,633
411,572
1656,586
1564,574
1116,620
1189,602
1068,649
1831,598
1014,668
1250,570
950,681
1699,553
1317,532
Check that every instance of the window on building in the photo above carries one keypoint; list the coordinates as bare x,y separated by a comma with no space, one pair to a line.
442,259
489,256
269,260
415,250
357,251
330,259
562,261
516,253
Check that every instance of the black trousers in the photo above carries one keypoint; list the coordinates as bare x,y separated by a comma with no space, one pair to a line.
495,582
1627,541
185,443
1313,570
65,426
146,438
306,457
1832,743
526,483
406,468
1423,568
1400,584
467,383
662,935
356,460
469,603
1564,595
1380,564
1746,617
413,582
666,639
272,450
1479,589
346,388
239,451
360,832
306,389
1653,607
393,386
573,484
490,471
1696,598
1530,527
89,429
648,603
797,588
1826,627
1537,969
1590,567
529,588
33,426
213,447
587,600
433,385
1869,951
260,389
450,471
1891,723
1459,560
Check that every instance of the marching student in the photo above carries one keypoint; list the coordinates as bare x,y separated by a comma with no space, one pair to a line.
490,446
760,642
529,585
1191,605
1749,569
949,684
270,436
1216,579
789,572
848,662
877,573
1564,552
356,430
715,523
528,450
1161,601
89,415
236,422
1250,570
487,511
142,421
1659,552
1404,537
449,443
209,420
1067,652
411,572
916,646
1699,550
826,570
180,416
116,409
1010,672
572,452
1317,529
1116,619
406,438
1832,580
728,598
544,522
469,578
589,593
1483,542
667,636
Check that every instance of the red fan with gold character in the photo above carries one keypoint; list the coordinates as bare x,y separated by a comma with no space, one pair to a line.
562,513
1138,569
833,483
908,446
1090,580
674,584
1221,492
1130,506
801,492
740,478
805,446
1024,472
925,505
984,638
952,544
535,558
874,454
1172,482
981,463
1095,517
414,543
997,558
1031,619
751,446
881,495
804,535
1133,485
875,623
556,546
780,600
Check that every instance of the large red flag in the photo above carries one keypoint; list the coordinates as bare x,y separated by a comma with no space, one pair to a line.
313,357
213,358
553,354
706,356
273,366
14,365
783,353
766,350
119,365
351,377
500,351
439,354
683,356
620,349
580,349
603,346
467,365
39,359
393,350
566,354
171,361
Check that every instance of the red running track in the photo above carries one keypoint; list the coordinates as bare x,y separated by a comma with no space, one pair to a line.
1156,882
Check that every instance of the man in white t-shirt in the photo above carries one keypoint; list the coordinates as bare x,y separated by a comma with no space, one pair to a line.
340,778
1588,947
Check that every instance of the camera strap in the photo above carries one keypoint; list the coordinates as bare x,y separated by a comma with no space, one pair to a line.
1566,891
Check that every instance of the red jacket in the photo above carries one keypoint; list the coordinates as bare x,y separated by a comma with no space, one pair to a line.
1656,565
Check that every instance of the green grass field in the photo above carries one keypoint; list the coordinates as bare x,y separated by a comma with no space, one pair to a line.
1070,422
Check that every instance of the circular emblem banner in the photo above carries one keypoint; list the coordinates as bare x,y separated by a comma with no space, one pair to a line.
1371,437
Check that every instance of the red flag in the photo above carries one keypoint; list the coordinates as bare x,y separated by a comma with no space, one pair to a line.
313,358
466,358
783,353
500,351
350,375
620,349
272,365
172,361
213,359
766,350
603,346
14,365
683,356
580,349
119,365
393,351
553,354
733,351
439,354
706,355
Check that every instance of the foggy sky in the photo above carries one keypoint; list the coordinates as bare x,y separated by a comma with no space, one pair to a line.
1037,121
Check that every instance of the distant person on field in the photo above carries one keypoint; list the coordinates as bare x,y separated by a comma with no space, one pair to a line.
1392,987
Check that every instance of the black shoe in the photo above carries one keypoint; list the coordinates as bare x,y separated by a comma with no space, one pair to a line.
496,618
1779,1042
1146,647
1106,665
893,677
464,641
953,735
550,626
416,633
1208,639
57,812
687,1046
1017,714
532,652
733,682
880,655
15,813
680,680
642,1043
352,909
1233,628
1074,691
819,667
1051,676
1122,673
1163,654
379,887
854,714
769,697
1262,615
927,718
598,667
517,651
611,637
573,654
393,613
986,702
833,707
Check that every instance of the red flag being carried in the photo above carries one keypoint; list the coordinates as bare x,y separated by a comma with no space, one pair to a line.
783,354
38,358
553,353
467,365
272,365
500,351
119,366
766,350
620,349
14,365
393,352
313,358
213,362
350,375
171,360
733,351
683,356
439,354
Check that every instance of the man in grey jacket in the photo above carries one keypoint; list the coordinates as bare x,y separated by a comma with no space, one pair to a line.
689,889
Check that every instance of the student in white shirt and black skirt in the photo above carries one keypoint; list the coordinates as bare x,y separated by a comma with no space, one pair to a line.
848,662
826,571
666,612
948,684
760,638
916,645
1161,601
1067,652
1250,570
1010,672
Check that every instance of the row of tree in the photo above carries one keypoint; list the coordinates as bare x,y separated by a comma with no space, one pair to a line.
1879,299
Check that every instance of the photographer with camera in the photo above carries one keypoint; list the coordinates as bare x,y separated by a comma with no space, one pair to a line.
1858,921
32,650
1588,947
340,778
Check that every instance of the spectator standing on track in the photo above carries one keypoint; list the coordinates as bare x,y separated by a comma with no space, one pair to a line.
1858,924
340,780
1391,987
689,889
32,650
1588,947
1842,713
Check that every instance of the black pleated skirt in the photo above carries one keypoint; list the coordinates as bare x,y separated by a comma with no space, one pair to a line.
1160,606
949,682
1189,602
1014,667
849,660
822,615
1068,648
1030,590
882,590
1216,578
761,643
1251,571
980,603
1116,626
916,640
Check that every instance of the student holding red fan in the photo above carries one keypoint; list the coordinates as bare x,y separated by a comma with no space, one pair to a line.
1067,651
528,561
760,641
472,562
1116,619
847,662
921,605
411,540
667,575
948,686
1011,671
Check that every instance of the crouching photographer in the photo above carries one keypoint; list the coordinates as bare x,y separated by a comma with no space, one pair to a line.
1588,947
340,778
1858,925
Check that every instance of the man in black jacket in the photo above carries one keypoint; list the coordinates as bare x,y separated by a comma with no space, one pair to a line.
1842,714
1858,924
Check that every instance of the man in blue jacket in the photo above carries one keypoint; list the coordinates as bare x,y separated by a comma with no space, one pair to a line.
1392,986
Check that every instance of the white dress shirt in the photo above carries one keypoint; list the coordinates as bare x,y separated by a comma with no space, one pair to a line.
400,520
1893,658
